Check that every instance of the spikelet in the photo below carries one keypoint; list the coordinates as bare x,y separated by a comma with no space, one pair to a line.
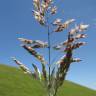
69,22
63,26
39,46
76,60
34,53
41,43
26,41
66,24
36,43
22,66
59,28
63,44
53,10
48,1
78,36
74,30
83,27
57,22
36,4
44,7
77,45
57,47
39,17
78,28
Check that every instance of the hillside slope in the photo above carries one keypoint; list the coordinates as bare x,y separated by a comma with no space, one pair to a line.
14,83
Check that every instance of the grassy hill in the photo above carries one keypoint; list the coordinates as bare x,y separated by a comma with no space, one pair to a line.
14,83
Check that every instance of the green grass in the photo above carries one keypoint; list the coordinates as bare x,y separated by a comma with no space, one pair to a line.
14,83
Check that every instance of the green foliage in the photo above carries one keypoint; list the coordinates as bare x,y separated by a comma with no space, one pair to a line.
13,82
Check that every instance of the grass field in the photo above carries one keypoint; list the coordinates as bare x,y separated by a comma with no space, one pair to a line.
14,83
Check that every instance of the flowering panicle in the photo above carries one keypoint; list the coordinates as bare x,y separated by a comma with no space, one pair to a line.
68,46
55,76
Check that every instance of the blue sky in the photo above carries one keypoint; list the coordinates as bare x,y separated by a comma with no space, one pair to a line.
16,21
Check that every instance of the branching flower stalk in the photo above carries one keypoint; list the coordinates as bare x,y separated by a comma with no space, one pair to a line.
52,78
48,45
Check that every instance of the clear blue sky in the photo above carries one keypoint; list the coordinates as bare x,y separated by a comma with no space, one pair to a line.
16,21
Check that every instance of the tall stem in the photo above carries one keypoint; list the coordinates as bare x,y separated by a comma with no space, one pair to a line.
49,53
49,46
